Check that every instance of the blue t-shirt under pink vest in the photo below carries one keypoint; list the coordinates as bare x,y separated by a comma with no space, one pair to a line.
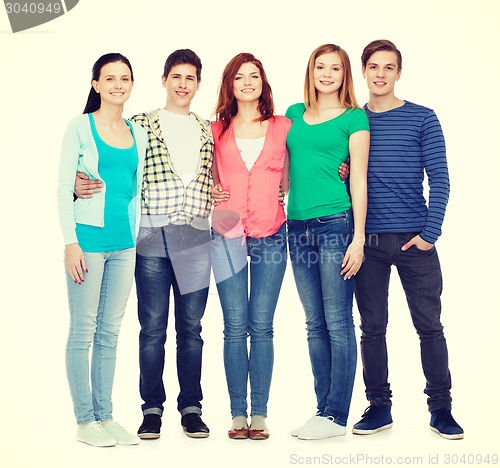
118,170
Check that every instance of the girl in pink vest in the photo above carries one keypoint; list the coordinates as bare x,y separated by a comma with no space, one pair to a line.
248,234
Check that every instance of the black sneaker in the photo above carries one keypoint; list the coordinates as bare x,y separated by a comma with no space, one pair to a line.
375,418
194,426
150,427
442,423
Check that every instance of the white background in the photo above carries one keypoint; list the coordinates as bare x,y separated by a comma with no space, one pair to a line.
450,63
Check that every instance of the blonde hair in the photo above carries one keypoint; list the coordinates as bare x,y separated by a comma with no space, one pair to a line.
346,91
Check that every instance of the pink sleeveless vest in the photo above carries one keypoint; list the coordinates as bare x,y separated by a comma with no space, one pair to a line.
253,208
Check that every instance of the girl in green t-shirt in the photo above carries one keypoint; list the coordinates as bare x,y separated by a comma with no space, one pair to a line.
326,227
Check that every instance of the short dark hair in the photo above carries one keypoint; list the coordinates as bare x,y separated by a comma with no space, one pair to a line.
182,56
377,46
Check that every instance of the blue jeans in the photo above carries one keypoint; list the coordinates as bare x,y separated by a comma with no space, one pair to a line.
171,258
249,313
420,275
317,247
96,312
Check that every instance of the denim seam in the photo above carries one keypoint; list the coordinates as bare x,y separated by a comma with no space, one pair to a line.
98,349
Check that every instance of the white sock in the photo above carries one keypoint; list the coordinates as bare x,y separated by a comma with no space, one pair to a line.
239,422
259,423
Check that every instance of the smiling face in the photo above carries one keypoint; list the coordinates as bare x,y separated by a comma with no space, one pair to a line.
181,85
381,73
328,73
114,84
247,84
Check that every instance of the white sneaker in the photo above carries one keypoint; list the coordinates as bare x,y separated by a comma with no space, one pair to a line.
310,422
121,435
322,429
94,434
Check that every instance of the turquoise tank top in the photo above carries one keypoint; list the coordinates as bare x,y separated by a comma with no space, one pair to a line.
118,170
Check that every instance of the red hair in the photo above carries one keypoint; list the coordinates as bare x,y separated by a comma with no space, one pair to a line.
227,106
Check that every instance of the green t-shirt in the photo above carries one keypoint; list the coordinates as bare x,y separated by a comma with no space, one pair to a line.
316,152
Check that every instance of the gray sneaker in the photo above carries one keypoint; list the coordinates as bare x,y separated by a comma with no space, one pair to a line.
94,434
120,434
310,422
324,428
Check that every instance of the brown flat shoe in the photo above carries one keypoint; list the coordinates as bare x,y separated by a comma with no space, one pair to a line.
258,434
238,433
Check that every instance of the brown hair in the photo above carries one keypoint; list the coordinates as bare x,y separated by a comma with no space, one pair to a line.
182,57
227,106
377,46
346,91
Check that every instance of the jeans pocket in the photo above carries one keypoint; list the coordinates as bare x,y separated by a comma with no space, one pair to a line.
280,235
199,236
215,236
424,251
335,218
147,234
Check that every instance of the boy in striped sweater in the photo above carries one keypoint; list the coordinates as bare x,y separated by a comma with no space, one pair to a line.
401,230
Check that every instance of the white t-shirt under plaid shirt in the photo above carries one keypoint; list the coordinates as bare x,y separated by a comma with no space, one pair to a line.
165,197
183,143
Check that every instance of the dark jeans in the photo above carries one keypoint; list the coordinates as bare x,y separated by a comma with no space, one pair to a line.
420,275
177,258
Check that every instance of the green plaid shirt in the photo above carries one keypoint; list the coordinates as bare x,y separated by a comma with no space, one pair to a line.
163,193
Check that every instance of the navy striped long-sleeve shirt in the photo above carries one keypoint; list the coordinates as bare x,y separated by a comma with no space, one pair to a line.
404,142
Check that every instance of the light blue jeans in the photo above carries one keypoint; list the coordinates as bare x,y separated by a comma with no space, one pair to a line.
249,313
317,247
96,312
